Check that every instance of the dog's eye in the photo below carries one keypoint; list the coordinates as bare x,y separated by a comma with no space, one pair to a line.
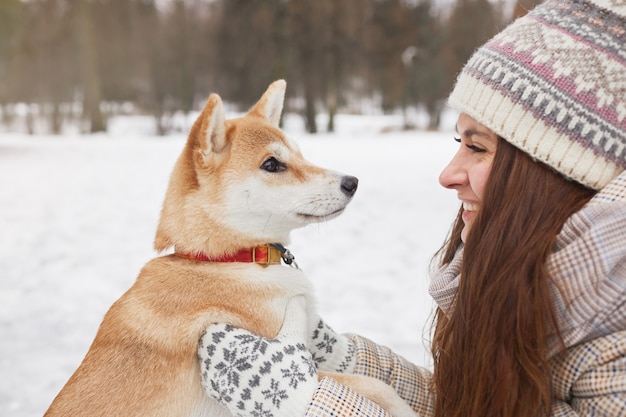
273,165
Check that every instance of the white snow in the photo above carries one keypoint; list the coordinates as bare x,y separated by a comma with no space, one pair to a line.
78,215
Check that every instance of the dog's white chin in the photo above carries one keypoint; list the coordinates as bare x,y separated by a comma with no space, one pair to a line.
314,218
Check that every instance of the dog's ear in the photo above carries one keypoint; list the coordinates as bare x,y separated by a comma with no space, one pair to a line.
270,106
211,137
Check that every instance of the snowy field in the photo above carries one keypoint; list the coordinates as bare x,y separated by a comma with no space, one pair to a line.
78,215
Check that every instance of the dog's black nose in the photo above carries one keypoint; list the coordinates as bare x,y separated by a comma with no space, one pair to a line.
349,185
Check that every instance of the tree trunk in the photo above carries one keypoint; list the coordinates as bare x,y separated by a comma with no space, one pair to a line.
92,89
331,103
56,118
309,109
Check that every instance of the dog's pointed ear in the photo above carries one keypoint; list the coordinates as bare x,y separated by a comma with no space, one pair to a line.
270,106
211,137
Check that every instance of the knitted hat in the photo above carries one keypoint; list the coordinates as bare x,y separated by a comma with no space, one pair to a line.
553,84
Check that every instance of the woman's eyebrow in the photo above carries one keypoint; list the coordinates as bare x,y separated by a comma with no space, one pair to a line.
472,132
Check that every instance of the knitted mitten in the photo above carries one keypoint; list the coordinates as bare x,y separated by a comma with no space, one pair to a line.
332,352
252,375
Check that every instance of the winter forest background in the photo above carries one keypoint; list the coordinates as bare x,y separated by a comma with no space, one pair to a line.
73,64
97,97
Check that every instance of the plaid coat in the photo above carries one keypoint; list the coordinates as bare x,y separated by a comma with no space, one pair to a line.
589,379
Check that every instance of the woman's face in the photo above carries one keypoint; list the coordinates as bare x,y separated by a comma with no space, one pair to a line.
468,170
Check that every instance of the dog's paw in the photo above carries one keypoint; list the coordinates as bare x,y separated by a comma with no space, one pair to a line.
375,390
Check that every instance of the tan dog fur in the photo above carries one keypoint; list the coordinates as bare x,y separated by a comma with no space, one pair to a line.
143,360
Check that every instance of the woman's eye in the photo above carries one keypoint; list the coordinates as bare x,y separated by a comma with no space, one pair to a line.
273,165
471,147
476,149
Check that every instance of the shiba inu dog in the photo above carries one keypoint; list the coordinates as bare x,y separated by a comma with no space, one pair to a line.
238,187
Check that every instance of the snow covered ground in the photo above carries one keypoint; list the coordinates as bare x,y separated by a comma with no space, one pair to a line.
78,214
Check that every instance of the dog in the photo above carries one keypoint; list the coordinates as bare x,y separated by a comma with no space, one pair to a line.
238,187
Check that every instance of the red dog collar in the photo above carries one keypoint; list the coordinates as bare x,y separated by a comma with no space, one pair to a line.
264,255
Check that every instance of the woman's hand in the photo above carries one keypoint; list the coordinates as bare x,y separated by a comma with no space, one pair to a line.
332,352
253,375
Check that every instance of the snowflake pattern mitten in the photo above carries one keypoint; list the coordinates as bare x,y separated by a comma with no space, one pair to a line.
254,376
332,352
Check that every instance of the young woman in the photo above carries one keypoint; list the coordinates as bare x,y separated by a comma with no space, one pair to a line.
531,284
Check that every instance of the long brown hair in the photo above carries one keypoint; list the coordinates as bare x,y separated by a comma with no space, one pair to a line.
490,350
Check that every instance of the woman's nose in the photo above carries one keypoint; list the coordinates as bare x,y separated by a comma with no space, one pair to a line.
453,175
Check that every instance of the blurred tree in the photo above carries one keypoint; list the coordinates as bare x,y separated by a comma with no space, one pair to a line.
180,28
251,47
9,14
315,44
22,70
114,39
156,96
43,68
429,86
89,69
391,32
471,23
306,38
340,33
59,74
9,18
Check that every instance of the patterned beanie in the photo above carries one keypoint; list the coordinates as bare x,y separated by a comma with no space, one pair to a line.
553,84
